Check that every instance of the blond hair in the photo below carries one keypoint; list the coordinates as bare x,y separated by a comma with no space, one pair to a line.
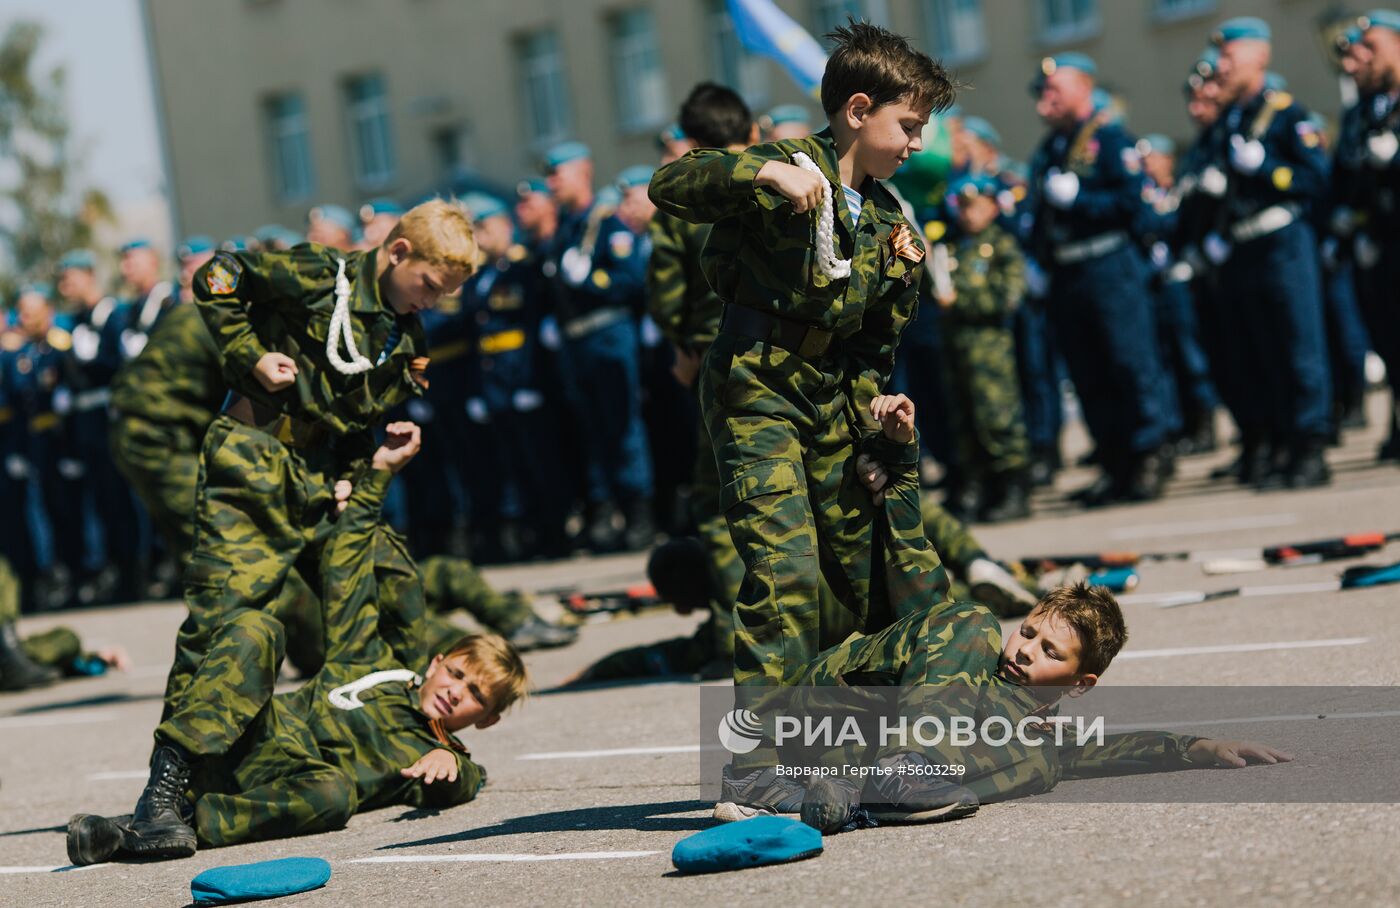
440,233
498,665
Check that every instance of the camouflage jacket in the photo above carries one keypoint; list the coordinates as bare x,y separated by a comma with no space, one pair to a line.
762,254
373,609
256,303
177,380
989,276
679,296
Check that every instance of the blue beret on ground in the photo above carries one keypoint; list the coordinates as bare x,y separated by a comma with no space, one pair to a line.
262,880
747,843
565,152
1380,18
788,113
1242,28
634,176
483,206
78,258
983,130
1070,60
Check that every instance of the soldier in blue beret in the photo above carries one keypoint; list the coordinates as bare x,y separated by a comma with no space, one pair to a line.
190,255
535,214
276,238
672,142
1266,249
147,294
1364,219
331,225
786,121
1085,194
598,345
377,218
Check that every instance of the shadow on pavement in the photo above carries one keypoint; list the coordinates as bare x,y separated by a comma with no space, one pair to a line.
639,817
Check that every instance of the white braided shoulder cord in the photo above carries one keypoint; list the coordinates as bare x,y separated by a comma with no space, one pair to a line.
340,327
347,696
831,266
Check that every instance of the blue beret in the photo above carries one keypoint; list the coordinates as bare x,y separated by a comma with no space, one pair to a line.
609,196
375,207
983,130
1070,60
530,186
337,215
970,184
1275,82
672,133
1157,143
197,244
1207,62
1241,28
483,206
747,843
954,111
634,176
270,234
78,258
132,245
239,243
1379,18
565,152
262,880
788,113
36,288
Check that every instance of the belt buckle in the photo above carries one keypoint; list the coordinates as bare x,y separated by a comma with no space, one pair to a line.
814,343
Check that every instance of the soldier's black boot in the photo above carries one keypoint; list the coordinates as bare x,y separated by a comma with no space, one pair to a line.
1308,467
1013,501
640,534
1044,466
159,827
93,839
1199,435
17,670
601,534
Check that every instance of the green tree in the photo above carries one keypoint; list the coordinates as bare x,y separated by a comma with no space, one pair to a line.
42,213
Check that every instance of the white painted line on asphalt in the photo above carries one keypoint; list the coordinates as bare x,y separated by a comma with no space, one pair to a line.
486,858
1240,648
122,775
1191,528
1244,720
63,718
617,752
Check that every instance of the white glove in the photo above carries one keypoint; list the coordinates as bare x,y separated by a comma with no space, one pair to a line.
62,401
526,400
1216,248
1343,221
651,335
420,411
1061,189
550,338
1037,282
1381,148
17,467
71,468
1160,254
1368,253
476,411
1247,156
133,342
1214,182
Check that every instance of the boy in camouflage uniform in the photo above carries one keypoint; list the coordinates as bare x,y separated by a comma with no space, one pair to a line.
365,733
986,278
316,345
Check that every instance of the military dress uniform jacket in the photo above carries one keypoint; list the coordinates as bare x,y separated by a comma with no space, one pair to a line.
1365,193
1294,172
1107,208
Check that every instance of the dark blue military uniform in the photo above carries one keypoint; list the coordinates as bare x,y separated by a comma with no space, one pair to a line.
516,476
1271,275
1365,219
1099,302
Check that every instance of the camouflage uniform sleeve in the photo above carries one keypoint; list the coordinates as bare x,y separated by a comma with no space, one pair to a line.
914,573
1128,754
232,282
350,592
871,348
707,184
666,289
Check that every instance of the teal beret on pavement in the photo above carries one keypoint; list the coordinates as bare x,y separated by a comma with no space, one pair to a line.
747,843
788,113
1069,60
983,130
634,176
565,152
483,206
1241,28
78,258
1379,18
261,880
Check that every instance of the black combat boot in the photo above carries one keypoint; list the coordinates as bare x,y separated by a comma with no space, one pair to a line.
1146,476
1308,467
160,826
95,840
17,670
640,534
1013,498
1199,435
601,534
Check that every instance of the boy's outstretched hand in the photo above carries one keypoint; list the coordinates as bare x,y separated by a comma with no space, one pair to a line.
433,765
1235,754
401,442
895,414
800,187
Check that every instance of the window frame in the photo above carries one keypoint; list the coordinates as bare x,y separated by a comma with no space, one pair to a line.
636,56
1048,35
369,121
289,130
952,56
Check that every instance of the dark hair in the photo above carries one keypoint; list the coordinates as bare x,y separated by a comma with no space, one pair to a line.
867,58
1096,618
679,571
713,116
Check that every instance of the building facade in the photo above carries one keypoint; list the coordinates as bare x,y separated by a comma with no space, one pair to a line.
271,106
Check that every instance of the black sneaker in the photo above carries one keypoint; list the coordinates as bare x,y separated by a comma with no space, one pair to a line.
160,826
760,793
910,794
93,839
833,805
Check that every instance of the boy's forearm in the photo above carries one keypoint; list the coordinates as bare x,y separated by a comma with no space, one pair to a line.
349,608
1128,754
708,184
226,317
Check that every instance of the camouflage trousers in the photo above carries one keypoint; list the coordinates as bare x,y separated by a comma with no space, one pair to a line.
985,400
261,508
162,466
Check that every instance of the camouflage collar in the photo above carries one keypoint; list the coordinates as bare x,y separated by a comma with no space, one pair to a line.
823,150
364,293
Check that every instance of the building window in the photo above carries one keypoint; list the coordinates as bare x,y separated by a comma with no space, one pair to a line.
371,142
642,99
1068,20
452,150
1171,10
735,67
827,14
290,141
547,114
956,30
